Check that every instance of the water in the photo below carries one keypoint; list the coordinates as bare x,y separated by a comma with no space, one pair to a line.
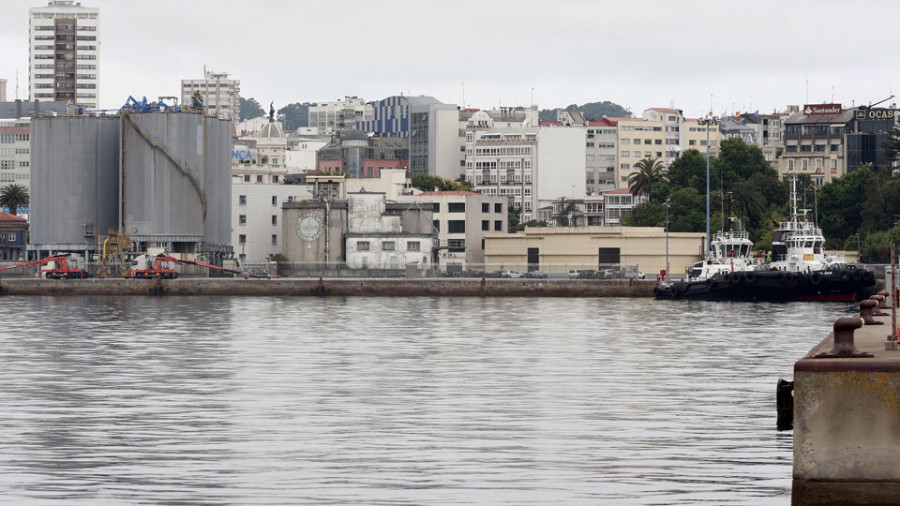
231,400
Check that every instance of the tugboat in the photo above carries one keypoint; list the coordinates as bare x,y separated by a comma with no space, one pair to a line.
800,270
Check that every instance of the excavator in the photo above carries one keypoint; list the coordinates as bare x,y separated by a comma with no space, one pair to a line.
161,270
57,268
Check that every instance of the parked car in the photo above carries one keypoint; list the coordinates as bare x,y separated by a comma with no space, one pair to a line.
510,274
588,274
535,274
573,274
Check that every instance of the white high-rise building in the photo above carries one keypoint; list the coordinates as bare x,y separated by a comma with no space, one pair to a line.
63,62
221,95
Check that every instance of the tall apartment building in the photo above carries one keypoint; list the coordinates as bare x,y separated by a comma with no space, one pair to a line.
330,117
221,95
533,166
63,52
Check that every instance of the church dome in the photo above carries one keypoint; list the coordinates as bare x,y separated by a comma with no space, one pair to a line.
271,131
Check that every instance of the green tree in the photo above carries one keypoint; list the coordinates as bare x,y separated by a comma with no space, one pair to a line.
513,216
250,109
565,211
531,223
892,145
841,203
649,172
646,214
688,170
591,111
13,197
296,116
465,184
429,183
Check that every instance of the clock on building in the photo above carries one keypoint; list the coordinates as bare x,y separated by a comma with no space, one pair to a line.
309,227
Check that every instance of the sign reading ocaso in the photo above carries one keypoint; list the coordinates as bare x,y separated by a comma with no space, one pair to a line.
817,109
872,114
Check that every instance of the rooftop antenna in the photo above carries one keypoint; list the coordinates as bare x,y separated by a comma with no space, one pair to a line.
532,97
464,94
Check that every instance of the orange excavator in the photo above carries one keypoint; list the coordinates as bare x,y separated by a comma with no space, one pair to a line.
161,269
57,268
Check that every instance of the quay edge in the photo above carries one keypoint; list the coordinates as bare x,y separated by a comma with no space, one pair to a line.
847,423
380,287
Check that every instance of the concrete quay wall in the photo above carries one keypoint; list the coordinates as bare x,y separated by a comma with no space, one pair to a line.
847,423
462,287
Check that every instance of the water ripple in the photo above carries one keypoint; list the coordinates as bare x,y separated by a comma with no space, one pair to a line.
195,401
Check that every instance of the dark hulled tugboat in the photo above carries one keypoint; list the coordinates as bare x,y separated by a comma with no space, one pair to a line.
800,270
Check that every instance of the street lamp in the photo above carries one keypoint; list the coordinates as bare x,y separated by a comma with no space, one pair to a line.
709,120
667,239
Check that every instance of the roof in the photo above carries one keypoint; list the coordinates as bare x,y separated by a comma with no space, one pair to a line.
448,193
12,219
621,191
663,109
549,123
422,100
603,122
799,117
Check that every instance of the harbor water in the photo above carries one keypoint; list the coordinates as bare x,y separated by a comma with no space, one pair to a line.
368,400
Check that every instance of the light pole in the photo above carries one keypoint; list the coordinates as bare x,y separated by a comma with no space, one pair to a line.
709,120
667,239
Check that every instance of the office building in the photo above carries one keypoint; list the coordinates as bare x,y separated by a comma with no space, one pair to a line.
221,95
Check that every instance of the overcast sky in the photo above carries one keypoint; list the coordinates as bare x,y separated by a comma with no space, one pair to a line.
733,55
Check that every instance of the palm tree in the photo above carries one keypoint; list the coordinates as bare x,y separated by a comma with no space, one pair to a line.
14,196
649,173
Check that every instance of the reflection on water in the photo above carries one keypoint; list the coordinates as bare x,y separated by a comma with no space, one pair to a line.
112,400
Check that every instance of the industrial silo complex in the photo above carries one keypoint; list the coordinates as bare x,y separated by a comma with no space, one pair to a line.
161,177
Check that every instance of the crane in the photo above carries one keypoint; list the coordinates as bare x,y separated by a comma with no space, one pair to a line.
58,267
160,268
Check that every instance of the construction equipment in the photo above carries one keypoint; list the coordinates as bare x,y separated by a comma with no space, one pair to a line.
113,259
57,267
161,269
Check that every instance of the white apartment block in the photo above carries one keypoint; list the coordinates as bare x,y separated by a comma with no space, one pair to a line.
328,117
63,63
533,165
256,231
15,153
221,95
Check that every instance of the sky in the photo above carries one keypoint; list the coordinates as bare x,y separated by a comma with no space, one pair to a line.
695,55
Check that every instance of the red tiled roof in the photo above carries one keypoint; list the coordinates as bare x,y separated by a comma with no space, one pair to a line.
448,193
7,217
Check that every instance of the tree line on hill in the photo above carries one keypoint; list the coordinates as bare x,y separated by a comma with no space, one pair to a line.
858,211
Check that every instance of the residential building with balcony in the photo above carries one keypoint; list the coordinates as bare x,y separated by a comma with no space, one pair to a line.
15,153
221,95
814,142
63,53
461,219
346,114
618,202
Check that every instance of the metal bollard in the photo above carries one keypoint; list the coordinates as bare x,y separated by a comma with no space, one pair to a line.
884,300
844,346
866,310
877,310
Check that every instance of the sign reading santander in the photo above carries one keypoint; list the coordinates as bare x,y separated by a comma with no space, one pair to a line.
821,109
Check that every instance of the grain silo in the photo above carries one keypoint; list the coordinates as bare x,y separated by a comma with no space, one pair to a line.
74,182
176,181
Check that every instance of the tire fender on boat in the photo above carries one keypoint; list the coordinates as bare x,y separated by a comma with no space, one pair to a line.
735,278
750,277
816,278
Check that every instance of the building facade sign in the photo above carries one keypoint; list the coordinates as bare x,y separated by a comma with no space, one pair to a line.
874,114
822,109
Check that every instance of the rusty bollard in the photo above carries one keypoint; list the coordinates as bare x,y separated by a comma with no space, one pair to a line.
877,310
866,308
843,340
883,304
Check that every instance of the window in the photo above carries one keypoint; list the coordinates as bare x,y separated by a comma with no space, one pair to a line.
456,245
274,219
485,225
485,207
626,141
805,164
790,165
456,226
242,239
274,201
626,154
412,246
806,149
791,149
498,226
362,246
247,179
242,219
436,207
456,207
388,246
835,147
259,179
498,208
648,141
274,239
436,225
242,200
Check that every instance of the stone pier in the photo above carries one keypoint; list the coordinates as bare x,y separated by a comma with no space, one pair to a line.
847,417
